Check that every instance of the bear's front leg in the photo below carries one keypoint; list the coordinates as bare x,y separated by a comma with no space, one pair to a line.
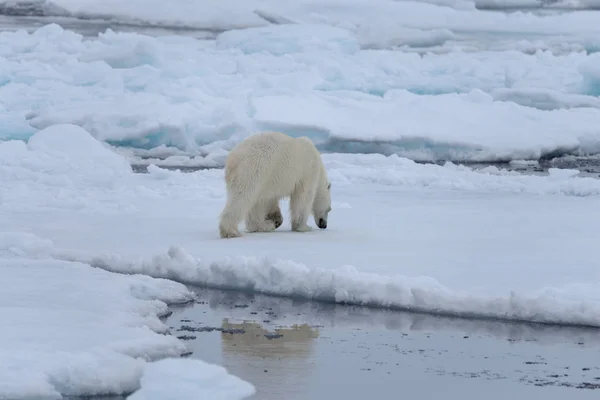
300,204
229,234
300,227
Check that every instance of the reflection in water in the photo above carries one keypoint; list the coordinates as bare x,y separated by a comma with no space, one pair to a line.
286,312
274,361
296,340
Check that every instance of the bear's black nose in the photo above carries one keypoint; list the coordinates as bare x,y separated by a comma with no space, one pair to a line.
322,223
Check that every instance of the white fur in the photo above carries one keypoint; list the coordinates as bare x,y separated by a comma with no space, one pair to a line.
265,168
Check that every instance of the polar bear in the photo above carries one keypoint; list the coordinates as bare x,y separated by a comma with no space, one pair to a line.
263,169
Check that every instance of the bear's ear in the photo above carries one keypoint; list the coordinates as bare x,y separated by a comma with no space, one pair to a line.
328,185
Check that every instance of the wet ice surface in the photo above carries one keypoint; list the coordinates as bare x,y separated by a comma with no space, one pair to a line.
305,350
587,166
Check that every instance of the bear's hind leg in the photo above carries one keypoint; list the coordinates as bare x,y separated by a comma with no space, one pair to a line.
244,178
256,221
229,221
274,213
233,213
300,204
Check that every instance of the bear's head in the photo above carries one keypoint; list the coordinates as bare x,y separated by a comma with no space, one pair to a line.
322,205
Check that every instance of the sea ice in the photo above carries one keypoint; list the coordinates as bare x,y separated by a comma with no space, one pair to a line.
324,79
429,80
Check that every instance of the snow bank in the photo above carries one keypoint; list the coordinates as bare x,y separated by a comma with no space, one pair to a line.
579,305
190,379
69,329
202,97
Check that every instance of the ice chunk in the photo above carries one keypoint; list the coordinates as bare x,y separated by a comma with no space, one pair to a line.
402,120
561,173
190,379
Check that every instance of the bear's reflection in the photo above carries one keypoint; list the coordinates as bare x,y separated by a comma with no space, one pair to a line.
259,356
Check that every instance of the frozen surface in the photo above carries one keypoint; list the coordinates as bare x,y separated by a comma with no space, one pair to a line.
426,81
188,379
68,329
441,239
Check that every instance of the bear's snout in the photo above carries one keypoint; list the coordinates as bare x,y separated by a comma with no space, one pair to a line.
322,223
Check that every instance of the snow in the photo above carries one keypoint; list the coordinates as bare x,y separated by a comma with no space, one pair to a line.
86,243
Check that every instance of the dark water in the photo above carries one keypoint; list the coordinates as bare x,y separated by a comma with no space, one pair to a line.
301,350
